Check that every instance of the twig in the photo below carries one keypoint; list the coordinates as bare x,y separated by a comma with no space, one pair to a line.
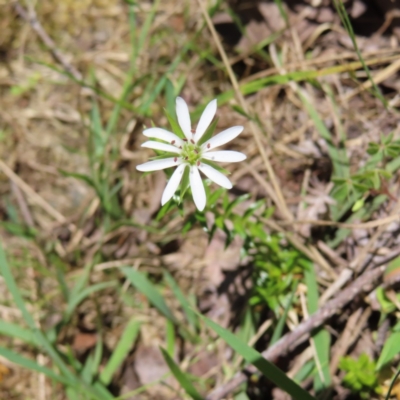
364,283
255,130
31,18
31,194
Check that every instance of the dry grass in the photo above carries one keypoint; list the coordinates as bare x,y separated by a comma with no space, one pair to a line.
45,130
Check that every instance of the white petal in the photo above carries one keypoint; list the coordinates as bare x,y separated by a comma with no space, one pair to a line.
173,184
215,176
162,134
224,156
198,192
182,112
223,137
161,146
205,119
156,165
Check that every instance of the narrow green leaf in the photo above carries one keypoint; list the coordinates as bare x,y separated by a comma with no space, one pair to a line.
76,300
281,323
143,284
320,337
253,357
15,331
32,365
121,351
181,377
390,350
186,306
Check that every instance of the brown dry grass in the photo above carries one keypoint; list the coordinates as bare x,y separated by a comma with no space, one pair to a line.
44,129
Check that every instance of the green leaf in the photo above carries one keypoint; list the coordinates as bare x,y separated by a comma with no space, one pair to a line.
253,357
190,315
181,377
32,365
320,337
121,350
358,205
17,332
143,284
79,297
390,350
82,177
281,323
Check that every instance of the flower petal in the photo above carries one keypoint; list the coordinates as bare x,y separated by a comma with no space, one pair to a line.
215,176
156,165
173,184
205,119
222,138
224,156
161,146
162,134
198,192
182,112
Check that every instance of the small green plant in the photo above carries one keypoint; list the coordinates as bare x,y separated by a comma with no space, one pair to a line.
361,376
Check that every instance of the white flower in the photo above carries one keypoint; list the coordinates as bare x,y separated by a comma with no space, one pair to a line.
191,153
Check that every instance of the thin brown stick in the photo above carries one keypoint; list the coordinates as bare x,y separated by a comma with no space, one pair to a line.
31,194
254,128
32,19
366,282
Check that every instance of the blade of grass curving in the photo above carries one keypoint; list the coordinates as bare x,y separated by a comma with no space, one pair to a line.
190,315
121,350
143,284
338,156
320,337
181,377
253,357
90,369
154,93
40,337
256,85
340,8
79,297
32,365
83,83
15,331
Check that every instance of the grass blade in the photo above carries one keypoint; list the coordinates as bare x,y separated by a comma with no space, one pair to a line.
142,283
181,377
321,337
122,349
253,357
186,306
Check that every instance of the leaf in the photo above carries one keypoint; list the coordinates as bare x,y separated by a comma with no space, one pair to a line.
320,337
390,350
142,283
121,350
253,357
79,297
32,365
190,315
181,377
82,177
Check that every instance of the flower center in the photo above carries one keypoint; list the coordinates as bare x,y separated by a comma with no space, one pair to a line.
191,153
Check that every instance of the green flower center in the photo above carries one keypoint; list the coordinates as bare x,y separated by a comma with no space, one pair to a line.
191,153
